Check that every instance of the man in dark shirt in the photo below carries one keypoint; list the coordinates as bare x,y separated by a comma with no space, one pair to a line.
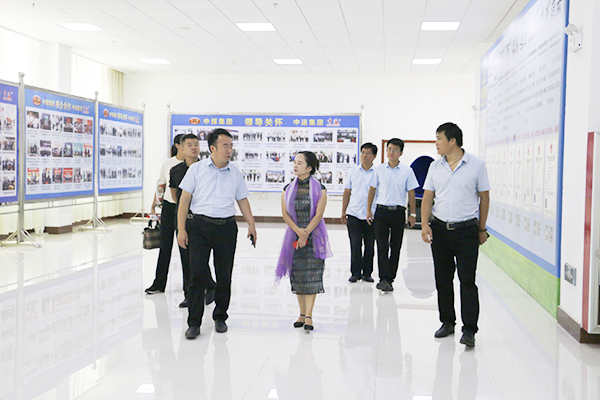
191,148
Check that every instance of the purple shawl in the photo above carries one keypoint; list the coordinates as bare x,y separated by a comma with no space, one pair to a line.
318,237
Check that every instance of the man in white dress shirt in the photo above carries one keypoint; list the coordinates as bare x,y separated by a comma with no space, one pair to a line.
458,182
354,215
209,189
392,181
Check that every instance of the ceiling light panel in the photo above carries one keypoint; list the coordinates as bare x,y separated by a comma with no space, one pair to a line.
426,61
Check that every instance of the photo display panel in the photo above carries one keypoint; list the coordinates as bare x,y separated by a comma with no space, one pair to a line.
8,142
59,133
265,145
522,119
121,149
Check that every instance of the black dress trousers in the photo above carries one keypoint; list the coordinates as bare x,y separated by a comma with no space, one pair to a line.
389,231
204,237
168,224
456,250
360,232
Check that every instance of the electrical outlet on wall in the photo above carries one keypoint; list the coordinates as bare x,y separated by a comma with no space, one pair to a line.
570,274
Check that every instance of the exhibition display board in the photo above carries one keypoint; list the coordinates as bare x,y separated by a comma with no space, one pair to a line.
9,104
522,121
121,149
265,145
60,145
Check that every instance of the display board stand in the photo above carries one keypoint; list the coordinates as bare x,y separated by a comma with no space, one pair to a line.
96,222
21,236
142,216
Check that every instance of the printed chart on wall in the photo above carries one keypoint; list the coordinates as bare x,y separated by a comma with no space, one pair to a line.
60,145
8,142
121,149
265,145
522,114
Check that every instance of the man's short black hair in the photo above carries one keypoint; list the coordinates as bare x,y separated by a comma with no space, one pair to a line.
214,136
396,142
369,146
451,131
188,136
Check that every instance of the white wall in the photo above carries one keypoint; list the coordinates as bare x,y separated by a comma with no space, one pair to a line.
582,115
404,106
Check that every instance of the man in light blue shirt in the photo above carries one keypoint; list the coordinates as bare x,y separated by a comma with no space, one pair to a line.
393,182
209,189
458,182
354,215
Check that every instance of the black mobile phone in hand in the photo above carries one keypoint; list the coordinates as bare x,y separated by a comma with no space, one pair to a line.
252,240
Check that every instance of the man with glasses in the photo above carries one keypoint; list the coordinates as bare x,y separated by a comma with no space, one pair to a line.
393,181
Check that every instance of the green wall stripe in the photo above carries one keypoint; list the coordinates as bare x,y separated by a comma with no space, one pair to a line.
539,283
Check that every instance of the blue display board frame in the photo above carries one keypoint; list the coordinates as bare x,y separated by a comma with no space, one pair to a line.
272,139
120,115
519,33
9,95
82,112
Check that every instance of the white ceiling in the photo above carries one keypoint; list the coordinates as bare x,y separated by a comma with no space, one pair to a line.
329,36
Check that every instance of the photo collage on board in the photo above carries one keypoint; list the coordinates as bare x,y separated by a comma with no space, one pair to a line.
60,156
265,155
121,145
8,149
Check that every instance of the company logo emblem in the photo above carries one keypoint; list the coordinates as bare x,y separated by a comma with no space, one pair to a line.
194,121
37,100
105,113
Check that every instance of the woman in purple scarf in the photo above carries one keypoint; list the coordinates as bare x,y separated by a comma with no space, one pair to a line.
305,244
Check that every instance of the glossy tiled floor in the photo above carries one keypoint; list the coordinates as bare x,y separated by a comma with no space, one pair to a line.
74,324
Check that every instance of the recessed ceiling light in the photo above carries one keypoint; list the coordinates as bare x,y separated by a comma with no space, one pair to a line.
256,27
427,61
287,61
80,27
159,61
439,26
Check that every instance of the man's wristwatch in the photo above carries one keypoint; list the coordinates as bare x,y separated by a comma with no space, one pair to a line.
413,215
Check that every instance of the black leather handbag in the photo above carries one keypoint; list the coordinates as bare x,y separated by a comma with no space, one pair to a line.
152,235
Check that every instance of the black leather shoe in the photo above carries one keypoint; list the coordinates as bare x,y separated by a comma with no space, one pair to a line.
209,297
468,339
220,326
192,332
367,279
183,304
381,284
353,279
387,287
152,290
445,330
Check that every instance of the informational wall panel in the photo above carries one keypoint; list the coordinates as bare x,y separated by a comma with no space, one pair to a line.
265,145
9,100
60,145
121,149
522,114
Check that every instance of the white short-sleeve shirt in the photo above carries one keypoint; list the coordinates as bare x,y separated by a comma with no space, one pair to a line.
393,184
214,190
456,195
358,180
165,177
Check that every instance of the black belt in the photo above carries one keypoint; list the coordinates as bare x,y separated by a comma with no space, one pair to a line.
214,221
391,208
455,225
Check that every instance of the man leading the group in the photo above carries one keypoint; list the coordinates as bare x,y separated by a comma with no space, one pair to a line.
354,215
392,181
190,148
458,182
210,188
